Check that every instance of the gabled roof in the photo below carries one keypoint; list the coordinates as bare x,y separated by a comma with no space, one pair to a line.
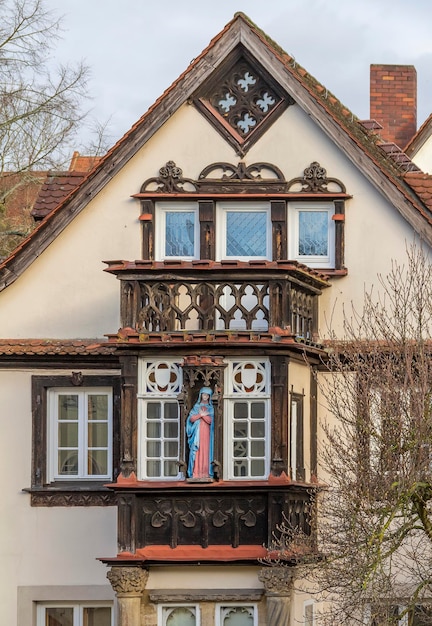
22,189
335,120
422,185
56,187
420,138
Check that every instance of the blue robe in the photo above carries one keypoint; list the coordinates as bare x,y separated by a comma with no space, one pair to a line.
193,431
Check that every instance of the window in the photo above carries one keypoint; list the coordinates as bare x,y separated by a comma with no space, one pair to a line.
178,615
420,615
76,425
159,420
80,433
244,231
177,231
312,234
247,410
309,613
74,615
236,615
296,434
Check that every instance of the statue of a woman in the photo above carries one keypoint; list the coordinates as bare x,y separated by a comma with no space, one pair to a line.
200,435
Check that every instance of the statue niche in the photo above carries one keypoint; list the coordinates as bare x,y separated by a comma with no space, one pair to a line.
201,412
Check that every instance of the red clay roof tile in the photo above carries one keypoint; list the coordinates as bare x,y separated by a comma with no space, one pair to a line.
28,347
421,184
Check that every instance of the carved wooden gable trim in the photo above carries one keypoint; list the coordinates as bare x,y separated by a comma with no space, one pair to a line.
241,100
228,178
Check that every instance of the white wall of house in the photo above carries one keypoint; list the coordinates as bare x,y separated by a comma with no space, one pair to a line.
423,157
41,545
66,294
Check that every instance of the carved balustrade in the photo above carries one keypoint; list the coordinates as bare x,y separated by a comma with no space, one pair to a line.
219,297
243,515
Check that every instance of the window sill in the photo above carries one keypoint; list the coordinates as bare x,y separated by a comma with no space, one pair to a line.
71,494
333,272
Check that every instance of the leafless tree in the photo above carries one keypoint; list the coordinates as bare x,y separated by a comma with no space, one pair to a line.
373,557
40,104
376,515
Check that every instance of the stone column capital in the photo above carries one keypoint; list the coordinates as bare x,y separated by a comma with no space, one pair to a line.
127,580
277,580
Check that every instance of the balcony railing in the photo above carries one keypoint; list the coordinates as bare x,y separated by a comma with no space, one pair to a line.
211,516
212,297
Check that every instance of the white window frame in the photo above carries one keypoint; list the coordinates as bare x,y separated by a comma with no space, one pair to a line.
82,393
309,605
145,396
222,208
78,610
161,210
164,608
294,209
225,605
232,396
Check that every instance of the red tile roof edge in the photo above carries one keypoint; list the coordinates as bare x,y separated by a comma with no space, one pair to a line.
191,553
18,347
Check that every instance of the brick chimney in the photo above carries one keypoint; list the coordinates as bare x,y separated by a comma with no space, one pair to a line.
393,101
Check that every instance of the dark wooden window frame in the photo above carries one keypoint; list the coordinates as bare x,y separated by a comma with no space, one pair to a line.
74,492
298,399
279,214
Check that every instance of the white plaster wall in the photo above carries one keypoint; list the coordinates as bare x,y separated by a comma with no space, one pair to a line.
41,545
65,292
299,382
204,577
423,157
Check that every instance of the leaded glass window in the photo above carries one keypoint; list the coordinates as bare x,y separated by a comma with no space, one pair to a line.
177,231
178,616
312,233
237,615
180,233
244,231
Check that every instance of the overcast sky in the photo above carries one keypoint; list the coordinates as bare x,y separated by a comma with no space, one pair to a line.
137,48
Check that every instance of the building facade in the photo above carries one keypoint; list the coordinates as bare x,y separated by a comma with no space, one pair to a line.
161,328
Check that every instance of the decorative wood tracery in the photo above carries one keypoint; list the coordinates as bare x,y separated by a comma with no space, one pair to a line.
315,180
215,305
225,177
170,180
241,100
201,515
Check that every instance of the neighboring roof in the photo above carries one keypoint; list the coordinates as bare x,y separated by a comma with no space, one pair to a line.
420,138
56,187
82,163
335,120
422,184
22,190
